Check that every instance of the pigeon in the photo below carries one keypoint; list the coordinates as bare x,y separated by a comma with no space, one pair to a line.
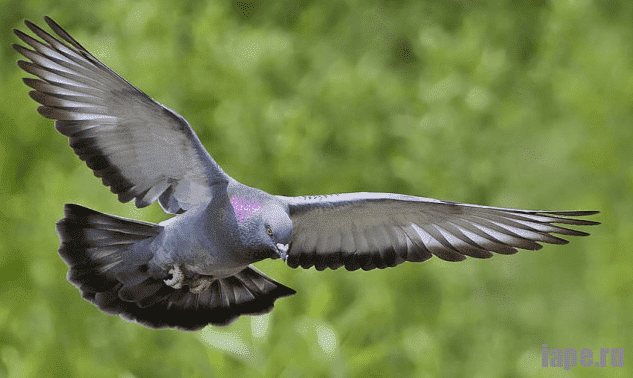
195,269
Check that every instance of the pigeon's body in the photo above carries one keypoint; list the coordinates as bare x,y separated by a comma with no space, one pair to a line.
194,268
216,239
205,241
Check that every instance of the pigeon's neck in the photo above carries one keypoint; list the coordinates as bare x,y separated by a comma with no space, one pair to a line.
244,208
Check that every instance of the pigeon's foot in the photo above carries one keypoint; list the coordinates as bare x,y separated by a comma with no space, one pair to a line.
177,278
200,284
282,251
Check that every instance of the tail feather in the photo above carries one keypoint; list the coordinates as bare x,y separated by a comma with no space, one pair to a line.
96,246
220,304
109,260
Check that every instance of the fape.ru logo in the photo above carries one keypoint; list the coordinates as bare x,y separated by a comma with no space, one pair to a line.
568,358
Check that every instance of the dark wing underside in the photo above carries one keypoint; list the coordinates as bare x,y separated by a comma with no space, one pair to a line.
379,230
139,148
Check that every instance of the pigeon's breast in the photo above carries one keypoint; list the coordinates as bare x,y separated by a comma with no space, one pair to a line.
195,241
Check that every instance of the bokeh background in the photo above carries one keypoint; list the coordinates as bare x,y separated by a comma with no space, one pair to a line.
518,104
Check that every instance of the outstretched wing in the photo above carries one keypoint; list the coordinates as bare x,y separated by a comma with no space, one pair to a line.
379,230
139,148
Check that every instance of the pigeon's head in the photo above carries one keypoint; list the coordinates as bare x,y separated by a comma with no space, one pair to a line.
265,226
276,228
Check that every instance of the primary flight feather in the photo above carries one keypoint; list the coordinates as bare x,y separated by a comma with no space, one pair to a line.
194,269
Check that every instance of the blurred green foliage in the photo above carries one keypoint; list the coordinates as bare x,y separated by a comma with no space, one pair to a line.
519,104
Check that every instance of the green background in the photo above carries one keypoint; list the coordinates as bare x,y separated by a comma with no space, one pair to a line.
518,104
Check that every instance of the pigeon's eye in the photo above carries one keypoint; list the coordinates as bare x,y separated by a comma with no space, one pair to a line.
269,231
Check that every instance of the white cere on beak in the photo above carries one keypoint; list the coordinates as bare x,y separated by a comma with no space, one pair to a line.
282,250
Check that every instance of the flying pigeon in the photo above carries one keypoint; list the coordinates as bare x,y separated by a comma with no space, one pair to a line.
194,269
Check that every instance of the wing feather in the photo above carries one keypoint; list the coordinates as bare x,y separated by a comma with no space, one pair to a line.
379,230
139,148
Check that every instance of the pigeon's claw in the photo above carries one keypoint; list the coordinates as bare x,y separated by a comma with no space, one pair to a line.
177,278
282,251
200,284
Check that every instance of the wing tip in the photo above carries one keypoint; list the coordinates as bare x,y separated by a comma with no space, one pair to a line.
573,213
31,25
51,23
18,48
576,222
23,64
572,232
18,32
570,217
46,112
37,96
29,81
38,30
26,38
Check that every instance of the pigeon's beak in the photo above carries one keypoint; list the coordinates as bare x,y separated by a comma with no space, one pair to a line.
282,250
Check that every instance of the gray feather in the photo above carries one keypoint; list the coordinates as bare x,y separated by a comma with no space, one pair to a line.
123,135
415,228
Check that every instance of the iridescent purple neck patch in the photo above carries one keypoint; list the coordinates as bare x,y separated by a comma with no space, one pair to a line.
244,208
